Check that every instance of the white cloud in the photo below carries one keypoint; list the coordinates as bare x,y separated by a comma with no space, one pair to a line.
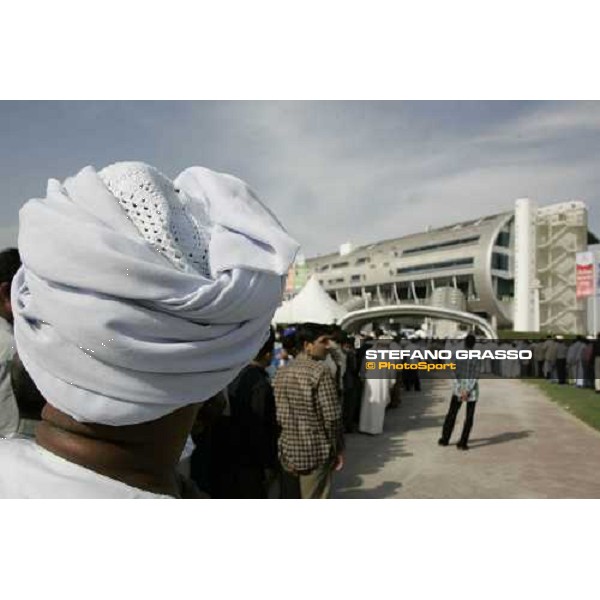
333,181
357,171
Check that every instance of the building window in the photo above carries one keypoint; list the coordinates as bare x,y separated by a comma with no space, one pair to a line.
362,260
355,278
340,265
506,288
503,239
500,261
447,264
421,292
322,268
338,280
447,244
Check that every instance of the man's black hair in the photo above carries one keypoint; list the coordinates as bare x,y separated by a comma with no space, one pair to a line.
309,332
469,341
268,345
10,261
289,342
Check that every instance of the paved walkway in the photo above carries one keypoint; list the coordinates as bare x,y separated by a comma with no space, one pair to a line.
522,446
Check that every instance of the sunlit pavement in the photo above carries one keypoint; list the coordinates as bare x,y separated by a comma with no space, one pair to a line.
522,446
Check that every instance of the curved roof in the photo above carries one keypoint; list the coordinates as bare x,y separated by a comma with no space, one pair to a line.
455,230
353,320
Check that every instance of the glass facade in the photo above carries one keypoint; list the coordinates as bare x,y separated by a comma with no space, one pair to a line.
503,239
505,288
500,261
447,244
447,264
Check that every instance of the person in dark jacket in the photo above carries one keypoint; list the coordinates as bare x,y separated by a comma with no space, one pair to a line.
351,387
596,356
244,440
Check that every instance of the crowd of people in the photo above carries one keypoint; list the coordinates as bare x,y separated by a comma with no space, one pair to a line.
137,358
281,425
575,361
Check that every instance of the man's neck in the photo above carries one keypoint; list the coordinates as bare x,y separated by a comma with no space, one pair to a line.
308,356
135,455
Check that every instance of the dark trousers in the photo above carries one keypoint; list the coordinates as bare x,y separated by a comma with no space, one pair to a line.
241,481
540,369
410,380
313,485
351,407
561,370
450,420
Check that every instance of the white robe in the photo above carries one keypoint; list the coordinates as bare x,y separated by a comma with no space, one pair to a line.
513,366
29,471
376,397
579,368
572,353
9,413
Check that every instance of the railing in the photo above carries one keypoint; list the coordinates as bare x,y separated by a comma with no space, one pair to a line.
550,240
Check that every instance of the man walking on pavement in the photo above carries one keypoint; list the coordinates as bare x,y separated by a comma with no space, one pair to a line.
465,390
309,414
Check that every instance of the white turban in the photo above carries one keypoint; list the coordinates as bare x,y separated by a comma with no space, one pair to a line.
136,296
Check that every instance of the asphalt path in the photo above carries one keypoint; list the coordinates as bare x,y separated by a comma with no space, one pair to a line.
522,446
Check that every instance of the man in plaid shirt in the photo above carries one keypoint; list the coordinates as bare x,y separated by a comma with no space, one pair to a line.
309,414
465,389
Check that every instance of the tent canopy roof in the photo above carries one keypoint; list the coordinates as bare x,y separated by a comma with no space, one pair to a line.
312,304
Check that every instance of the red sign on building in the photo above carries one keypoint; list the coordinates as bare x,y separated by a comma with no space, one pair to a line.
584,275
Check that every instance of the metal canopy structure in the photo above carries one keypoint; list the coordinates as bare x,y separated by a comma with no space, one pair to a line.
353,320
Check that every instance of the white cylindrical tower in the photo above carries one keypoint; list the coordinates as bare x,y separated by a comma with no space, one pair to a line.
525,265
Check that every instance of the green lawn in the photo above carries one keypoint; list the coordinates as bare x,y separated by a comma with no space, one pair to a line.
583,403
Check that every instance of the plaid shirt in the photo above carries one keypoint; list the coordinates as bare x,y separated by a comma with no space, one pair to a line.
467,378
309,414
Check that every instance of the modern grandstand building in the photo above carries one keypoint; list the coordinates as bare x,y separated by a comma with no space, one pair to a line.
518,264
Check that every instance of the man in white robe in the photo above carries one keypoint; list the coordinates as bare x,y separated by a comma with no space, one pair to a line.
376,395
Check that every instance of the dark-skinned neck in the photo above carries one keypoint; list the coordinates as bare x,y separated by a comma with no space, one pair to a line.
263,364
144,456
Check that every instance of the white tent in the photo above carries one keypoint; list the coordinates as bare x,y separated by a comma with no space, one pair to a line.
312,304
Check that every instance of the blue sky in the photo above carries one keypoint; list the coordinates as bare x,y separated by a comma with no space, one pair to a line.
332,171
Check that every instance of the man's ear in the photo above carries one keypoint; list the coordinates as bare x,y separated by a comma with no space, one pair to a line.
5,307
4,291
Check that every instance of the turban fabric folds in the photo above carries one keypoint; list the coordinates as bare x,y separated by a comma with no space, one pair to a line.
138,295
